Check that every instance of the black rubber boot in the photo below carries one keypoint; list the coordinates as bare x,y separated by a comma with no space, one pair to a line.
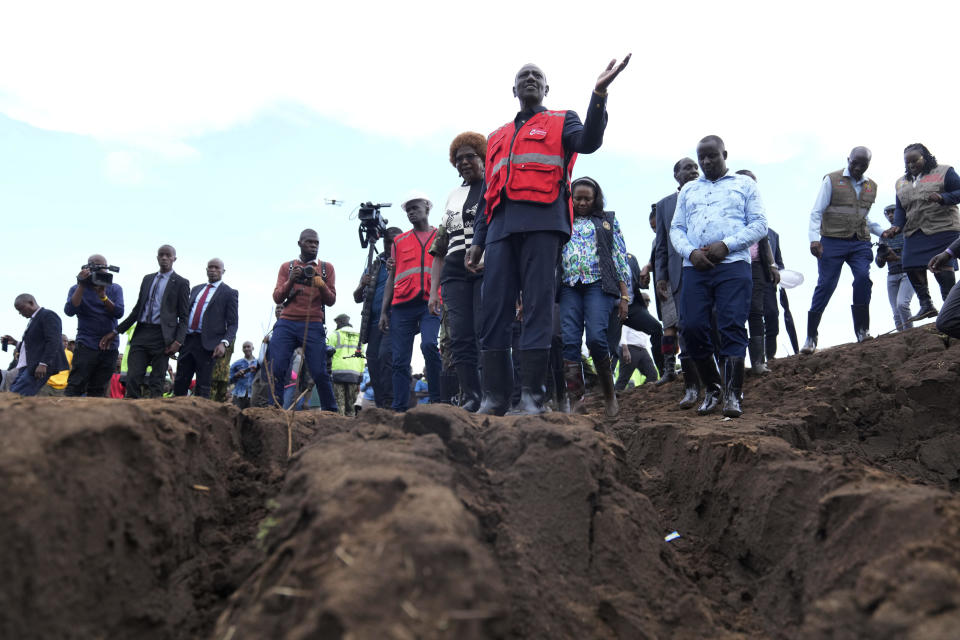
861,321
918,278
573,376
813,325
534,367
497,382
732,386
710,378
470,389
758,360
669,373
605,376
770,347
691,384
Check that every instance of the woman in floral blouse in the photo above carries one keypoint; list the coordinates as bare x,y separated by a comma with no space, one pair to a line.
593,279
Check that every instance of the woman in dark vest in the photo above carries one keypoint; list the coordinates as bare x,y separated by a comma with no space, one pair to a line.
927,213
461,288
594,276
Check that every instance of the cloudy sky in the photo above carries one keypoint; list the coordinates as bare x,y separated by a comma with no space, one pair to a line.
221,127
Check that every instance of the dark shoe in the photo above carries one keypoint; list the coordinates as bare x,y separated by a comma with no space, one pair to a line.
497,382
605,376
691,383
813,325
918,279
470,389
770,348
732,386
669,369
534,368
573,376
710,378
861,321
758,360
927,310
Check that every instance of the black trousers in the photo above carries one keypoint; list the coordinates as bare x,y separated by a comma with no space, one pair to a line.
90,371
755,320
461,298
380,364
639,359
949,319
147,348
524,262
194,359
640,319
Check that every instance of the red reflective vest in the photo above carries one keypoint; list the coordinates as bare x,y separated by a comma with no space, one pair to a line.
528,164
412,269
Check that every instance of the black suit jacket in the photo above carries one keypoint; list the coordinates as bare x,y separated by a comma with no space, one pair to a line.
774,239
635,278
173,308
220,319
668,264
44,343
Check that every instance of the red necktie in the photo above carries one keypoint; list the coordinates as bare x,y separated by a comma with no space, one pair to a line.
195,323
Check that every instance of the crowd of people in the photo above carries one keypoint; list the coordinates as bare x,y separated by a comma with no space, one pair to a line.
525,268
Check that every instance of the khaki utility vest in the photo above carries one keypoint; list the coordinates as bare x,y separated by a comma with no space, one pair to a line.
929,217
846,215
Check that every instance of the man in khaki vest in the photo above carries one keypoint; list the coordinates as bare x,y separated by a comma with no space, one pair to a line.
840,233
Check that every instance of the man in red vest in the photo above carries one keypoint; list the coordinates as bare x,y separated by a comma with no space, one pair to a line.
405,297
527,220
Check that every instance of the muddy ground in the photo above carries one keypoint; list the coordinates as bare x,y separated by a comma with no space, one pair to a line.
830,510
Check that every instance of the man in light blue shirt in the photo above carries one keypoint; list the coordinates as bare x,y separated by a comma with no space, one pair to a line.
718,216
840,233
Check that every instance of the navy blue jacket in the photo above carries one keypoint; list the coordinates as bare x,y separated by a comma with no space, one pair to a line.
43,341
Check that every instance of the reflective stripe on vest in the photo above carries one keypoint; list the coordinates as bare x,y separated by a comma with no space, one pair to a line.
344,365
528,163
413,264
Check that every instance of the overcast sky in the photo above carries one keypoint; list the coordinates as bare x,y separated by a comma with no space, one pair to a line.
221,127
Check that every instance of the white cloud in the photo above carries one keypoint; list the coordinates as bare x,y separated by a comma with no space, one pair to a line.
773,79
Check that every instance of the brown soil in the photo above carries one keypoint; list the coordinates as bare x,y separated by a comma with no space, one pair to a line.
828,511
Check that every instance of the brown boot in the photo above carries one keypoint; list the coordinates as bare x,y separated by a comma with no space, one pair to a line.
573,376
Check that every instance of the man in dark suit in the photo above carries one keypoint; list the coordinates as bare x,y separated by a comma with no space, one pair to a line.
161,318
41,351
211,328
668,269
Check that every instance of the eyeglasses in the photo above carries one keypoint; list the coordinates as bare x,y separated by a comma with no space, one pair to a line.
467,156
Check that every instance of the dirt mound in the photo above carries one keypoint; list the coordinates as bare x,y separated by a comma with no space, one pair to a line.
828,510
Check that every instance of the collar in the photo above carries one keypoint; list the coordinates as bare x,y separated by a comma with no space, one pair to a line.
846,174
726,175
165,275
301,262
215,284
36,312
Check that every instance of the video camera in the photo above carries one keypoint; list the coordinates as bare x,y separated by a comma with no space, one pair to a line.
100,275
372,224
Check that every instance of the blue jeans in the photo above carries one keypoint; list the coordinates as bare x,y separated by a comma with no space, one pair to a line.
900,293
287,336
726,288
584,307
406,319
836,251
28,384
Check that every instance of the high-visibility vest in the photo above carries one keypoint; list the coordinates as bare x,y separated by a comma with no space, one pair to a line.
344,367
528,164
412,269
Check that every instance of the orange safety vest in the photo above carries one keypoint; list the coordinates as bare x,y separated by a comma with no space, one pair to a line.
528,164
412,269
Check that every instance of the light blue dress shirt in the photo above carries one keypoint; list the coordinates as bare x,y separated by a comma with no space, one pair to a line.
729,210
151,314
823,201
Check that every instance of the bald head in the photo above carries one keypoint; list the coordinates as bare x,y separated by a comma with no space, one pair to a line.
26,305
97,259
166,256
858,162
309,244
215,270
530,86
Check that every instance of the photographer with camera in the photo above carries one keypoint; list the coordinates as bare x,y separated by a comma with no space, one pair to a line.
304,286
370,293
242,373
97,303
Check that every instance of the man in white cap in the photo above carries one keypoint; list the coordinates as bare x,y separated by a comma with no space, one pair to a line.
405,297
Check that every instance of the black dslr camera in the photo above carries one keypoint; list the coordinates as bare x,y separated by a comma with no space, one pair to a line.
309,271
372,224
100,275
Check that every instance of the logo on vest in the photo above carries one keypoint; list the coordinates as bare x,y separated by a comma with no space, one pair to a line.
606,225
537,133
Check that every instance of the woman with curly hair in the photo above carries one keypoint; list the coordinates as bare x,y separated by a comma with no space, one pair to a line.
461,288
927,213
593,279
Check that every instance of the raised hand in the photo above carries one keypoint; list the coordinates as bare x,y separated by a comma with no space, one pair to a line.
612,71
